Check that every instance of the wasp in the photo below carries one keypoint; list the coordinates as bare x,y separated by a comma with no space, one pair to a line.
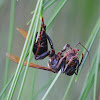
66,60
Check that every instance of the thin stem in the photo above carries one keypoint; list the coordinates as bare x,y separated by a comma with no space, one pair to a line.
50,87
90,43
88,78
45,8
31,48
96,73
43,87
11,31
6,86
22,59
92,38
56,11
49,5
70,82
33,83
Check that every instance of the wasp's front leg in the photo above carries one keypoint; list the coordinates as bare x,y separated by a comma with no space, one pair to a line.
42,56
52,52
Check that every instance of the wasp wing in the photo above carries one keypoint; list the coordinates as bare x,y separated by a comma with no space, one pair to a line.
22,31
16,60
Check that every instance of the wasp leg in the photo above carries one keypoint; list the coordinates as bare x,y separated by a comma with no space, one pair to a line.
42,56
59,54
64,49
52,52
79,43
63,65
79,64
70,62
50,41
16,60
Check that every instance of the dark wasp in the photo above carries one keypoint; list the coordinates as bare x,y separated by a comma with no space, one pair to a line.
68,61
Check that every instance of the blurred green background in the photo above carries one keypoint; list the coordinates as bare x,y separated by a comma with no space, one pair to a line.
73,24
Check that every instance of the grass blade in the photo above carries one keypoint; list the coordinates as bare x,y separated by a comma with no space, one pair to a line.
31,48
45,95
88,78
6,86
45,8
33,83
69,85
87,89
22,58
96,73
56,11
11,31
45,86
90,41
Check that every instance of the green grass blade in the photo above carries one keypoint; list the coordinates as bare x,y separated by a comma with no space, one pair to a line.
89,82
6,86
22,58
31,48
11,31
8,83
33,83
90,43
69,85
60,5
88,78
56,11
46,2
87,89
45,8
96,73
48,90
51,3
45,86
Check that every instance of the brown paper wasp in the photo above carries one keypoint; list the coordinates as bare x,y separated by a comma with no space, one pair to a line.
66,60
